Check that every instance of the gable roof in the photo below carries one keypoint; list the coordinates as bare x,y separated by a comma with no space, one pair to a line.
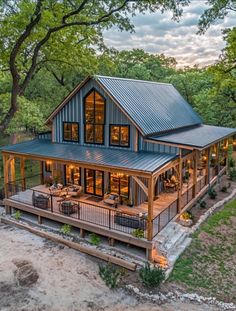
152,106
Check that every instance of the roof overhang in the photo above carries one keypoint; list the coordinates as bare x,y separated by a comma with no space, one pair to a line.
197,137
143,164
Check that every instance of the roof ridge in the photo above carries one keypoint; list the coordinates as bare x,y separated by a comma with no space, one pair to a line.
129,79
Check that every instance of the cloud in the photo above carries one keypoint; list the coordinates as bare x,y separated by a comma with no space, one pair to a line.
158,33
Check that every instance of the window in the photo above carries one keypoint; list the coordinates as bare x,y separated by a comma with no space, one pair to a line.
119,135
71,131
73,175
119,183
48,166
94,118
94,182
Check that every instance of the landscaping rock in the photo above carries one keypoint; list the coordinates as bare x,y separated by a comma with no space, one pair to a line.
26,275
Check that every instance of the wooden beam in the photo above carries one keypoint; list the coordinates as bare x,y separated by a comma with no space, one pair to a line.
12,169
180,186
131,172
195,159
141,184
22,173
150,209
6,174
208,165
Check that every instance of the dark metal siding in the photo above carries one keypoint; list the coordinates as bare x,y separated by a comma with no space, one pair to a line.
73,112
155,147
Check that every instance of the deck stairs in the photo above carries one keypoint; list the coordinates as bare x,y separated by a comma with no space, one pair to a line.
170,243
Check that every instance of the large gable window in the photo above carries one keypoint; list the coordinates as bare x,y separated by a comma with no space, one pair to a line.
71,131
94,118
119,135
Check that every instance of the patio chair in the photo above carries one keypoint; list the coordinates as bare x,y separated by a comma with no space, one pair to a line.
40,201
111,199
68,207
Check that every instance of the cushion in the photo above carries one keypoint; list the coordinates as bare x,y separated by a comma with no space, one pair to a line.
112,197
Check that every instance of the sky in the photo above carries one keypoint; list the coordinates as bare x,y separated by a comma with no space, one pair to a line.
158,33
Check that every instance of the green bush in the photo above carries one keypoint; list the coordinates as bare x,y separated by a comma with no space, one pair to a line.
17,215
231,162
66,229
94,239
212,193
232,174
151,277
138,233
203,204
224,189
110,274
187,215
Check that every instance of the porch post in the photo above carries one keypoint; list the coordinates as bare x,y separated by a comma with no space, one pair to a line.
6,174
208,166
150,208
180,180
135,191
12,169
22,173
195,157
41,173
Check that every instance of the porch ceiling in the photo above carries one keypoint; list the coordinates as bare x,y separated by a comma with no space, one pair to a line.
135,163
197,137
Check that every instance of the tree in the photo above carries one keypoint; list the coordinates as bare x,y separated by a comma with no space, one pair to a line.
218,10
33,31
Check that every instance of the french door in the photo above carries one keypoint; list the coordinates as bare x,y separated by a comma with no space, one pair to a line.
94,182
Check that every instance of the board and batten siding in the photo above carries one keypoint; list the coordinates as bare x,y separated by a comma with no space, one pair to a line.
73,112
155,147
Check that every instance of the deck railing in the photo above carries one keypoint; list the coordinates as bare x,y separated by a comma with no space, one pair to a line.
161,220
112,219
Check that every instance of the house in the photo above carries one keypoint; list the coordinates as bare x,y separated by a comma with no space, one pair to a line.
123,156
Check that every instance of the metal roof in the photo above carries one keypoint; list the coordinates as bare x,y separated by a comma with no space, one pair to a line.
198,136
147,162
154,107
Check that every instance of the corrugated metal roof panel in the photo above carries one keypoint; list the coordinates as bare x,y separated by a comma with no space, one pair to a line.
154,107
197,136
142,161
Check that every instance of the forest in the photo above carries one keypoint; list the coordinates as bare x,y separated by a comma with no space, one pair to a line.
48,47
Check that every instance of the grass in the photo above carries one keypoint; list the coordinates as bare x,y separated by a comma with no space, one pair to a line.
208,266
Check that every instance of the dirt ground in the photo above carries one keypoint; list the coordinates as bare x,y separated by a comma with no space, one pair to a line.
68,280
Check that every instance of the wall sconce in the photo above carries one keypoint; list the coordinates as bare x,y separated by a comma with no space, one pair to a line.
204,158
213,155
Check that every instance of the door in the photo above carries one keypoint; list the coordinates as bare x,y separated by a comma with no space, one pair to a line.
94,182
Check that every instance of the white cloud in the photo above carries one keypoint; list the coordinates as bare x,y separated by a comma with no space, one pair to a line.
158,33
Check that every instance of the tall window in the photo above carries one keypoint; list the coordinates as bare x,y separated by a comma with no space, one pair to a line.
119,183
73,175
94,107
70,131
119,135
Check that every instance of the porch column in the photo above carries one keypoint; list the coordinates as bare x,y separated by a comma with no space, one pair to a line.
180,180
150,209
135,192
22,173
12,169
41,173
208,166
6,173
195,158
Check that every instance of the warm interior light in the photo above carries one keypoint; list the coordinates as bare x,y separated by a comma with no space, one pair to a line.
213,155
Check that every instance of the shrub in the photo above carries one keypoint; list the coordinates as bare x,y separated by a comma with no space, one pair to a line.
138,233
231,162
232,174
66,229
212,193
224,189
187,215
110,274
151,277
94,239
17,215
203,204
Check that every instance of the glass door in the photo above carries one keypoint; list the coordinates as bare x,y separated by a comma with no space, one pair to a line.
94,181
